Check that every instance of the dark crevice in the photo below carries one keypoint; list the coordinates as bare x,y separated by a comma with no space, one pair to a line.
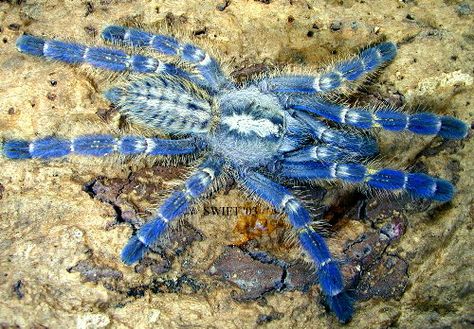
89,189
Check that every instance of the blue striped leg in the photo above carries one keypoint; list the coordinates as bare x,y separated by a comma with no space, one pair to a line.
329,275
208,67
100,57
423,123
416,184
173,207
363,146
97,145
353,69
320,152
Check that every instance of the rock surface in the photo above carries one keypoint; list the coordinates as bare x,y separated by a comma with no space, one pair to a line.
63,223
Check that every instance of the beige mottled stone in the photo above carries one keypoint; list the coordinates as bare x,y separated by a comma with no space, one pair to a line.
48,223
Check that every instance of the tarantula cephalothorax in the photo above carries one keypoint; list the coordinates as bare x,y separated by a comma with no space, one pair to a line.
270,128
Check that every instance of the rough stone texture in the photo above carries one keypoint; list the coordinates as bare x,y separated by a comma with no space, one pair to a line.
59,248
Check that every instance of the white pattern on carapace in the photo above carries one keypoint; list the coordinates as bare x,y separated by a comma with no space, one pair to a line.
247,124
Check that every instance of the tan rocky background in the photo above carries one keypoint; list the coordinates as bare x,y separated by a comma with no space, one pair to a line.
63,223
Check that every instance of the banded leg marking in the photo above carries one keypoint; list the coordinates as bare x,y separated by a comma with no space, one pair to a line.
417,184
361,145
366,62
173,207
423,123
100,57
207,66
97,145
329,275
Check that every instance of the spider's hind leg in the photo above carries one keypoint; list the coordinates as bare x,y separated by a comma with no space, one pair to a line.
418,185
327,269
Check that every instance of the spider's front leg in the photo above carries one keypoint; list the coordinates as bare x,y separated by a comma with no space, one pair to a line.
97,145
173,207
207,66
368,61
329,275
101,57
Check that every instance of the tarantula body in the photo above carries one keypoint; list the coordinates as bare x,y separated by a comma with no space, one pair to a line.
271,128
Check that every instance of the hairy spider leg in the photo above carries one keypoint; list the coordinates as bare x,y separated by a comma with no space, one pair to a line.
97,145
353,69
173,207
327,269
320,152
416,184
100,57
296,134
359,145
423,123
207,66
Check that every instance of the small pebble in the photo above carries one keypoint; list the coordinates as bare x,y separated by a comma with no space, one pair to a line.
223,5
14,26
17,288
51,96
464,9
90,30
336,26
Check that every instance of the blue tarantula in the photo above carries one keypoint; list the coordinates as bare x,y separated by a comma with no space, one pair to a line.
266,130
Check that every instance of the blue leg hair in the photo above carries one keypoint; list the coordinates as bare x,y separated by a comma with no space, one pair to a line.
173,207
389,119
100,57
320,152
97,145
361,145
329,275
366,62
208,67
416,184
